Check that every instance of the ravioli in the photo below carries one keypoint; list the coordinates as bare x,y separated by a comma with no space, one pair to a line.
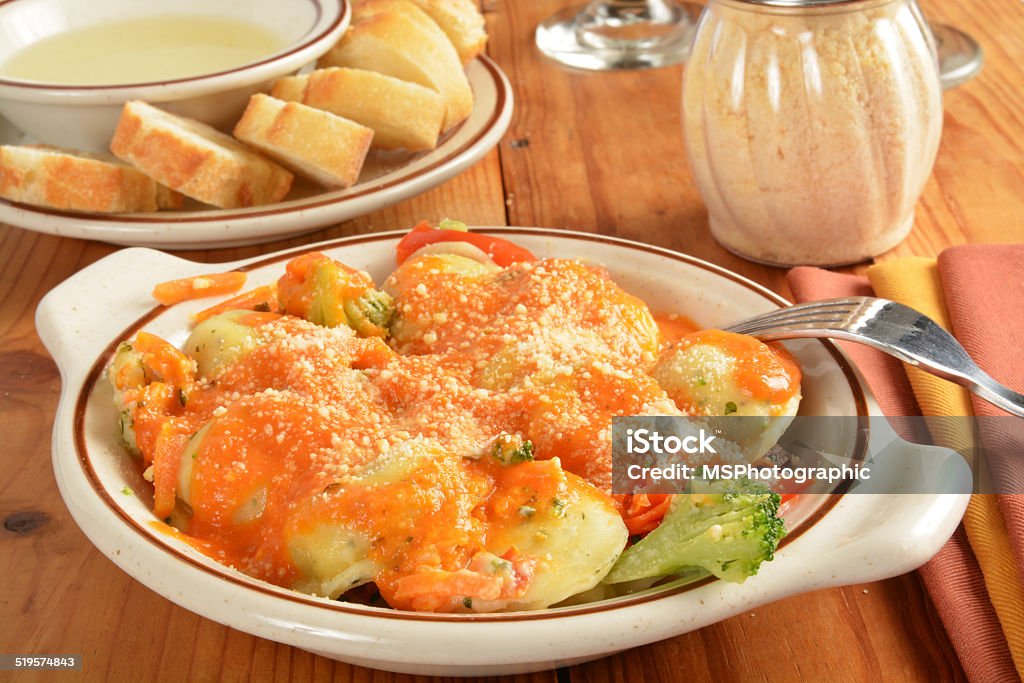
714,373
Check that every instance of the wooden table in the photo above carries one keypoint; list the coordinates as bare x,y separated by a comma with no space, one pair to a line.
590,152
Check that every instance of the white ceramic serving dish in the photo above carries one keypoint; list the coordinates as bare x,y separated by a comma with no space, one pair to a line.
833,540
84,117
386,179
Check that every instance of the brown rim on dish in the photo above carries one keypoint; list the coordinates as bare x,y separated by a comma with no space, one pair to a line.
96,372
346,10
501,98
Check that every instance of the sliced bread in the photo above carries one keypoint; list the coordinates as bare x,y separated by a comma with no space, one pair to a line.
196,159
77,181
401,40
311,142
461,21
401,114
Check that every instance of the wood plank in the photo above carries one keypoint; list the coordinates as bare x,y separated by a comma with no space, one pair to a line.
975,193
836,635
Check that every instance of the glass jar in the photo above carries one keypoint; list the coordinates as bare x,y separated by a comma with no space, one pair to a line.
811,126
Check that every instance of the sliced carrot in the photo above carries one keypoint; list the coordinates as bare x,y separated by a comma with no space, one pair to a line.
215,284
260,299
644,512
432,589
155,400
789,489
166,462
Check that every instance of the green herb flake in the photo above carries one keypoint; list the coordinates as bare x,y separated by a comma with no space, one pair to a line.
730,408
510,450
467,603
559,505
128,491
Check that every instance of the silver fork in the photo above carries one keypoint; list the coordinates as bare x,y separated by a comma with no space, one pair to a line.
887,326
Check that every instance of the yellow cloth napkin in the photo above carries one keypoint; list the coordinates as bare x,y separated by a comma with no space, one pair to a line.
915,282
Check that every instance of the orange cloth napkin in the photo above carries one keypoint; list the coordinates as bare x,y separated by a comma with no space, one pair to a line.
978,292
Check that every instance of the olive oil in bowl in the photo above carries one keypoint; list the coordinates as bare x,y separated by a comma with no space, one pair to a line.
142,50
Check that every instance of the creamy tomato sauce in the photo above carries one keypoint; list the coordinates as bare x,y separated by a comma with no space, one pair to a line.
674,327
550,350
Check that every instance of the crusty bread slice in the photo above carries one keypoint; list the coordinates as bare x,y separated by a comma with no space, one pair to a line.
293,88
311,142
166,198
401,114
78,181
403,41
461,21
196,160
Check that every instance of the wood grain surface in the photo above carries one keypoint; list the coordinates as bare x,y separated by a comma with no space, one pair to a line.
592,152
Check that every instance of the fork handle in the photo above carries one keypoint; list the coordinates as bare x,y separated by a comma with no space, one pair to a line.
969,376
996,394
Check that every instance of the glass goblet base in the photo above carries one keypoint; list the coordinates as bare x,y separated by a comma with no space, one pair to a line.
610,36
960,56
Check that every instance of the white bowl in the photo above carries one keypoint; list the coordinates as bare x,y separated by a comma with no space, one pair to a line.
833,540
84,117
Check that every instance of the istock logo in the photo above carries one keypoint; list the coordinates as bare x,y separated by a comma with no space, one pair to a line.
643,441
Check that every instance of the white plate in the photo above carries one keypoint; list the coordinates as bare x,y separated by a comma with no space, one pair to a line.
387,178
833,540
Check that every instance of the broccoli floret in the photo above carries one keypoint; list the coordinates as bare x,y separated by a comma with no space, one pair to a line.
727,528
370,314
510,449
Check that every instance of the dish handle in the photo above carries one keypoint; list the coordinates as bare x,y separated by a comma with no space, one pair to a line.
895,522
79,317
